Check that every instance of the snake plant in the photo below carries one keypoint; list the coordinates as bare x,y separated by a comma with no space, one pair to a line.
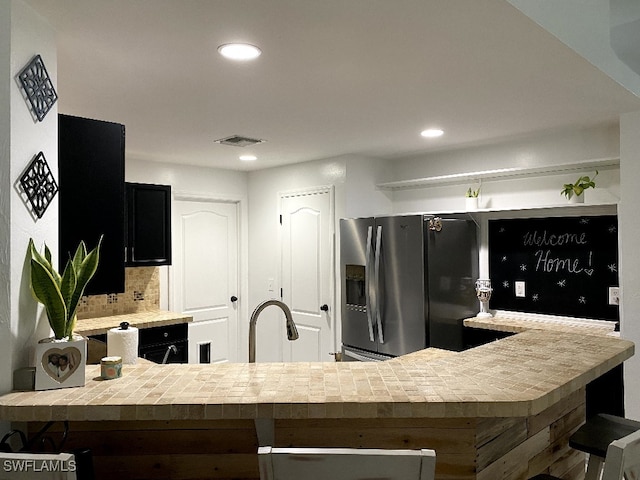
60,294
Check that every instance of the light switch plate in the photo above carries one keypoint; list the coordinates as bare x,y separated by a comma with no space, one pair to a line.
614,295
520,289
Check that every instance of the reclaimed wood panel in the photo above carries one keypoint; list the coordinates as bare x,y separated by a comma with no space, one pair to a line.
181,450
504,441
514,448
510,448
177,467
350,435
514,463
452,439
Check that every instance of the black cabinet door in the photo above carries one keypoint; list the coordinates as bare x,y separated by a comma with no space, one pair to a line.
148,224
91,196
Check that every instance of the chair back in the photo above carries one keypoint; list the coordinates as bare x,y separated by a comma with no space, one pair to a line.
345,464
41,466
623,459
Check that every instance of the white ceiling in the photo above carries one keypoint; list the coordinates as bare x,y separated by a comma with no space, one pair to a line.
336,77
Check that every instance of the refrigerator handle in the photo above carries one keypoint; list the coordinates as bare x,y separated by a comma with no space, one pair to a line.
377,276
367,280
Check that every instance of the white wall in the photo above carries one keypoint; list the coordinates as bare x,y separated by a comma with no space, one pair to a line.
629,259
187,179
544,148
5,196
23,34
362,198
265,187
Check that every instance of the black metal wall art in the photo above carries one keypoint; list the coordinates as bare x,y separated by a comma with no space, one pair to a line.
38,87
39,185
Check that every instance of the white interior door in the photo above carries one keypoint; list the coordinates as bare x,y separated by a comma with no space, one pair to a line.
307,280
206,277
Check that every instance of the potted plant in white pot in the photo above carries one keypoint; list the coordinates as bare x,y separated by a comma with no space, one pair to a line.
60,359
574,191
471,198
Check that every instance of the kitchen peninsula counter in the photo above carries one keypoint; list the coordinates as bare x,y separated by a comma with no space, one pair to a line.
489,412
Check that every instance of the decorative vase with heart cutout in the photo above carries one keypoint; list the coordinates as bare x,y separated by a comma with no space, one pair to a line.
60,363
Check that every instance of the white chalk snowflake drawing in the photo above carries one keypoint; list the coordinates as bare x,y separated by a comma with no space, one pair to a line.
502,230
504,258
535,297
584,221
582,300
613,268
523,268
505,284
613,229
562,283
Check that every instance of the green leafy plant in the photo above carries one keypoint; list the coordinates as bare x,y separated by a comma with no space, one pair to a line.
60,294
579,187
471,193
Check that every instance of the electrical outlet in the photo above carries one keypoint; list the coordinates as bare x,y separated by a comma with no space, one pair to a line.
614,295
520,289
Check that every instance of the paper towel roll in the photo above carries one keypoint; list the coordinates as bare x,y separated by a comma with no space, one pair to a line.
123,343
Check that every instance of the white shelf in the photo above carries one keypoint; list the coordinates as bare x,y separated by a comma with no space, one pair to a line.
588,208
500,173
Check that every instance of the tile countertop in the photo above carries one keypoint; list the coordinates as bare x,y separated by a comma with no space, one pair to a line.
146,319
517,376
517,323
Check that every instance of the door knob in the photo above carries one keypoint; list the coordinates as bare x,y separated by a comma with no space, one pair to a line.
234,298
324,308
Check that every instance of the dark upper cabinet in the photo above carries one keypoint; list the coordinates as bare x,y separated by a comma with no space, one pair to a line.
148,221
91,196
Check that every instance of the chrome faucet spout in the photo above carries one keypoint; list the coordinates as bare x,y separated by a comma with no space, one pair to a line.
292,330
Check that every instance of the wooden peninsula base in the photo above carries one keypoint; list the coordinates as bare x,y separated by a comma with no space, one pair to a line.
467,448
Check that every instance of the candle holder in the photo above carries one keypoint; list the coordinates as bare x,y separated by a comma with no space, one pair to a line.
483,292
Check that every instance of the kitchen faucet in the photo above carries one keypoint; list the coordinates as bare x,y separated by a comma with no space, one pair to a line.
292,331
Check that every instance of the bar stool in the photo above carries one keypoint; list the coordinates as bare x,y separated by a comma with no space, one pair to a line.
595,436
622,459
345,464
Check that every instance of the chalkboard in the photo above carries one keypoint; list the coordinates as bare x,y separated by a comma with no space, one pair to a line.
567,265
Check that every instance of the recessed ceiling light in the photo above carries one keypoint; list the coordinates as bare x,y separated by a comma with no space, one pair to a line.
239,51
248,158
432,133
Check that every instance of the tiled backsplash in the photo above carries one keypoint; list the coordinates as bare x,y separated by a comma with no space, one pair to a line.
142,293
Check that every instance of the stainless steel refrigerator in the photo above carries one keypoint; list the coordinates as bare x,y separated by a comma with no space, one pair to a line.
408,282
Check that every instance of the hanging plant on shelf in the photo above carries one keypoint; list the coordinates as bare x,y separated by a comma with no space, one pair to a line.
578,188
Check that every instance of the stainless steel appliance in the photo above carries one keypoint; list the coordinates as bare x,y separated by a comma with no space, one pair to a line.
408,282
166,344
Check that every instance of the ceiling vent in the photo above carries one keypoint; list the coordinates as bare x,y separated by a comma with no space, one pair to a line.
239,141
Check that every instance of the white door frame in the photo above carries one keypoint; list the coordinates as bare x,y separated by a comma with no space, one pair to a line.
330,189
243,255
